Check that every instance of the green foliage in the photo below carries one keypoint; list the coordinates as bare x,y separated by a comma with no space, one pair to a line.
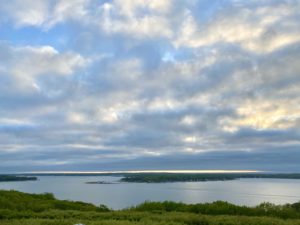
296,206
20,202
18,208
223,208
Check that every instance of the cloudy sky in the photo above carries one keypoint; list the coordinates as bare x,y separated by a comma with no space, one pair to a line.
141,84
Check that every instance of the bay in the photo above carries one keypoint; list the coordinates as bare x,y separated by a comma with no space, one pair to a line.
117,195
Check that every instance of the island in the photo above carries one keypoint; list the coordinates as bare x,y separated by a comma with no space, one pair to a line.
8,178
201,177
100,182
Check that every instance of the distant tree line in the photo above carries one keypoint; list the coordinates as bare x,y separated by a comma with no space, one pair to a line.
6,178
188,177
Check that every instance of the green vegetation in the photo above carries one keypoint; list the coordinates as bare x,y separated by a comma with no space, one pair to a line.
188,177
289,211
17,208
6,178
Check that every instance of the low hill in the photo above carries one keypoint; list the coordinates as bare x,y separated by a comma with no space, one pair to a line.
18,208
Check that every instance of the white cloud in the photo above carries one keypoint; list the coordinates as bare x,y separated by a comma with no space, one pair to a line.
132,8
257,27
68,10
125,18
260,29
28,63
27,12
32,61
44,13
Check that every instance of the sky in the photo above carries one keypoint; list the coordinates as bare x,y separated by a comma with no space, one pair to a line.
93,85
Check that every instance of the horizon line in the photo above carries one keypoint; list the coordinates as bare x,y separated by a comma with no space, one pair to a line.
141,171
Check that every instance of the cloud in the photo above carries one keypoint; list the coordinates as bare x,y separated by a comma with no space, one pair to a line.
26,66
45,14
125,17
133,83
255,26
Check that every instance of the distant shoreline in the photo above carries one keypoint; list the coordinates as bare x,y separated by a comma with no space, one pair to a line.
164,177
10,178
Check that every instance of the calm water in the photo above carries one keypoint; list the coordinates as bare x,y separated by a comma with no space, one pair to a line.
243,192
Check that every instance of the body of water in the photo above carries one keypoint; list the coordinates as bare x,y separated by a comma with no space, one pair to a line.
248,192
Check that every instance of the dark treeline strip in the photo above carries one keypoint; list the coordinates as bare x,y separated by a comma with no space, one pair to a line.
6,178
188,177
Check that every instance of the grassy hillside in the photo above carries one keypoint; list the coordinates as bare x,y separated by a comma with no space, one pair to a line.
18,208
